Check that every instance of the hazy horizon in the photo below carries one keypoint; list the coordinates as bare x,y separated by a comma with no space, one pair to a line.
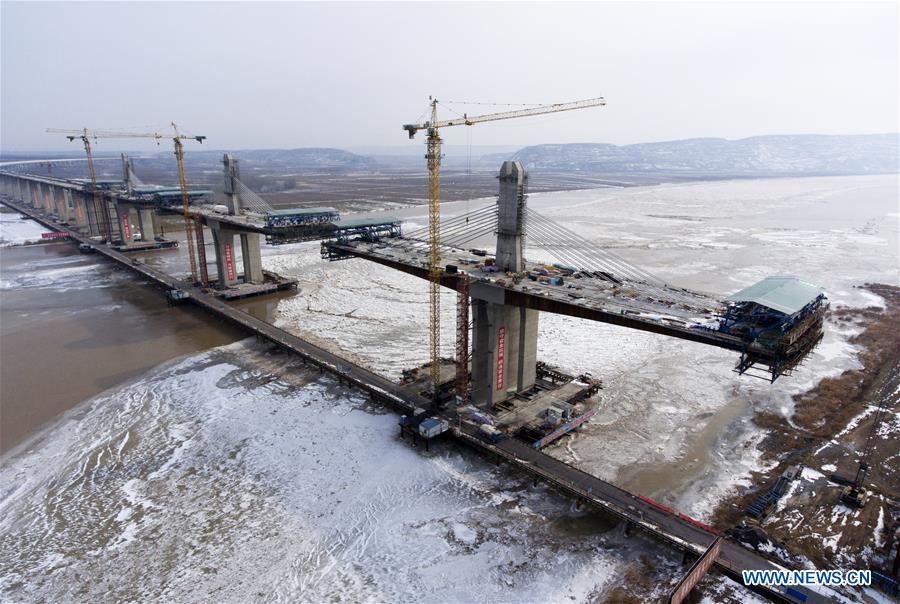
345,75
76,150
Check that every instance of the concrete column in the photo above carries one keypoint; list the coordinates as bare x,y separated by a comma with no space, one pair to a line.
504,350
223,243
81,212
67,203
93,218
232,191
504,338
61,204
126,173
250,252
34,194
145,219
48,198
511,217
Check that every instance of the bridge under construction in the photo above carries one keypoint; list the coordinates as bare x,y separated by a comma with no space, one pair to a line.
507,292
773,325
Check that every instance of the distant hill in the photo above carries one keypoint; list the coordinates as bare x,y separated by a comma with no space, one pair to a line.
309,158
801,154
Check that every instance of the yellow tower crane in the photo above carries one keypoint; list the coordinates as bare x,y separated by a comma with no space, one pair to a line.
85,135
101,209
433,160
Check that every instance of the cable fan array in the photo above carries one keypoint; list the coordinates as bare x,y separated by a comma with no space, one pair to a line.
460,230
135,181
582,254
565,247
251,200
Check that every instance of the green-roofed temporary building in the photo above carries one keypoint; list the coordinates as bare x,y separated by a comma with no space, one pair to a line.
301,211
300,217
351,223
784,315
787,295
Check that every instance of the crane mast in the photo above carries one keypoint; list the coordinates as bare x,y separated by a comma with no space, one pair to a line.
101,210
433,160
186,210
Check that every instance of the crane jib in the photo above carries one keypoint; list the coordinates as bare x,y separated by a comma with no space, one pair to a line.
465,120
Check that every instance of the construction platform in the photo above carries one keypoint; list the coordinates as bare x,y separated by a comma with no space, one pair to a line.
145,246
557,403
274,282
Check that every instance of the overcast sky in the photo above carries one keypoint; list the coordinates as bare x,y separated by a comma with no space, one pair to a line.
254,75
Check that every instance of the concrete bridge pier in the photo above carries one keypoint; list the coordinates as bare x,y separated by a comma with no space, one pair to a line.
61,204
94,219
504,338
146,222
226,266
80,211
123,219
34,194
504,350
252,257
38,195
226,260
67,204
47,196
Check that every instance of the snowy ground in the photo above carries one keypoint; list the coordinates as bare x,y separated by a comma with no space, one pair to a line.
235,474
16,229
675,423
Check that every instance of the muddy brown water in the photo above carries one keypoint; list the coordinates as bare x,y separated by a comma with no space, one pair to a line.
73,326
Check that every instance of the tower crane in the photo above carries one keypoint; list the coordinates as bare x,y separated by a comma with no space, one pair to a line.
101,210
85,135
433,160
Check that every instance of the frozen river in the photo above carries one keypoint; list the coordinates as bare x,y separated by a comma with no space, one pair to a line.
674,423
234,474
